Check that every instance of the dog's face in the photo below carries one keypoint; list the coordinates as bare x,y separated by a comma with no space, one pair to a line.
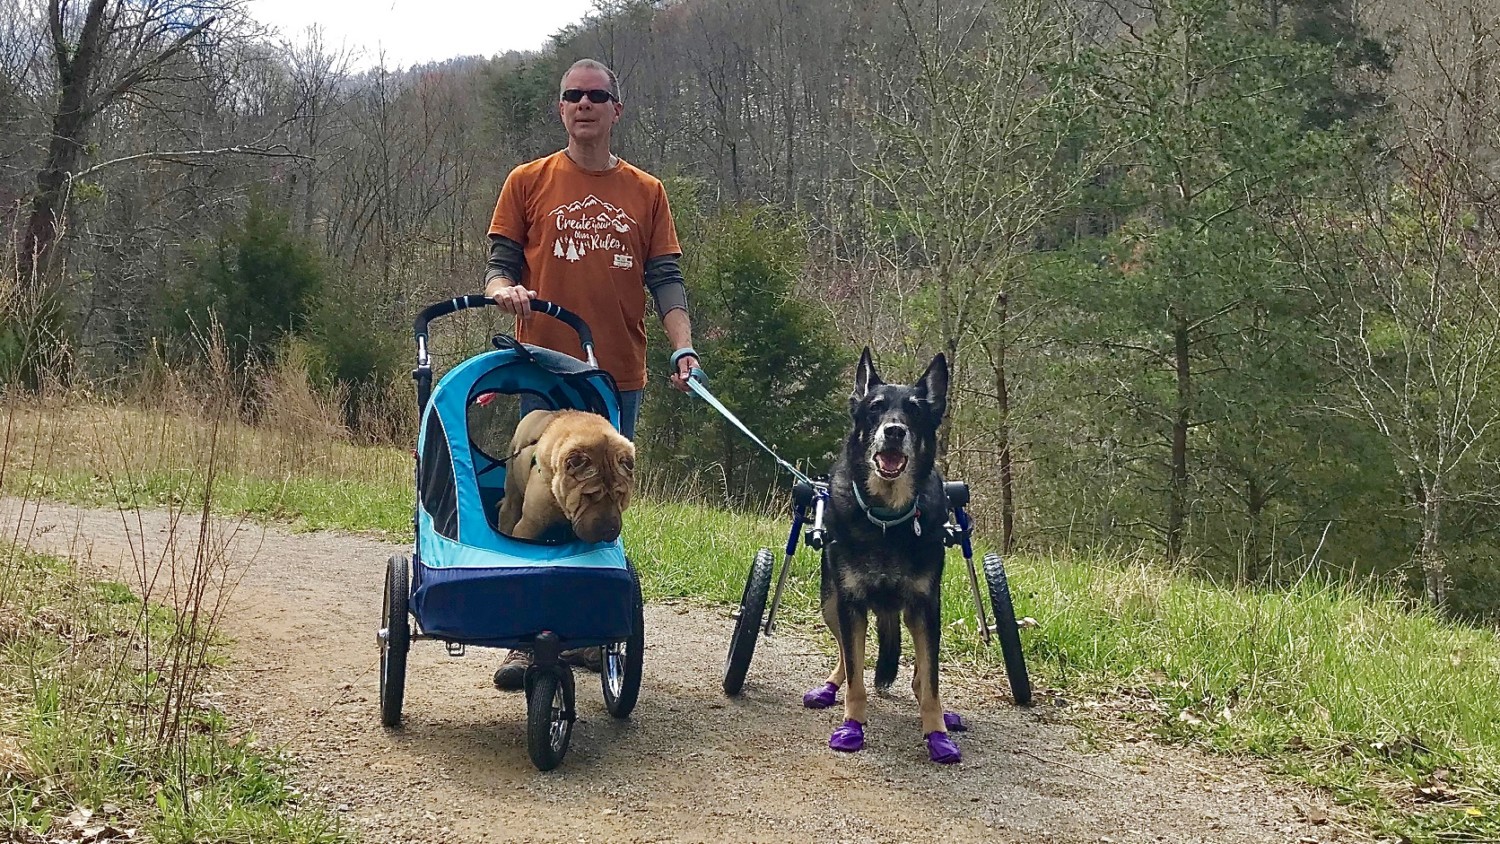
594,485
895,426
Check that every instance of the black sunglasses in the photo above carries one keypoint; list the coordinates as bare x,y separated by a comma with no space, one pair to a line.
595,95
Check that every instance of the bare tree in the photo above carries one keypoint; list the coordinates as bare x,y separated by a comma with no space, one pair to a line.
102,53
967,154
1417,322
317,126
1418,342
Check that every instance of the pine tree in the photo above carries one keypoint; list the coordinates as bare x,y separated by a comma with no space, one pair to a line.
1192,316
773,359
256,278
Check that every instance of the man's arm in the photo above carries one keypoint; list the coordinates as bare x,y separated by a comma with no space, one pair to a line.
664,280
507,259
502,278
680,333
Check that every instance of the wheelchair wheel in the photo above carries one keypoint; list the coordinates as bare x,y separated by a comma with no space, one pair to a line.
395,640
747,623
1007,630
623,661
549,717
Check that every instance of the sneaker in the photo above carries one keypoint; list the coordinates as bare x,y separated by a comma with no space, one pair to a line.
590,658
511,675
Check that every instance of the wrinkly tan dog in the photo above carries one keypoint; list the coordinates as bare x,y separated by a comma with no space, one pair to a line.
567,466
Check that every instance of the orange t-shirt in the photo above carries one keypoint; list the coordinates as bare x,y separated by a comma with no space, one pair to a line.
587,236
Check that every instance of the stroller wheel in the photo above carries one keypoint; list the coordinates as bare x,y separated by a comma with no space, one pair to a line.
624,661
747,625
1007,630
395,640
549,717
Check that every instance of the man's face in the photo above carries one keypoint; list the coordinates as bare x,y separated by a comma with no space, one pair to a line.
585,120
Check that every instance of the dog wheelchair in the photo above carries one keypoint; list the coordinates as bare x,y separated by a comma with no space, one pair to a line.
466,583
754,617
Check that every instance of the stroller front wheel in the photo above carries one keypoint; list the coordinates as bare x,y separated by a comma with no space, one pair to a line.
549,717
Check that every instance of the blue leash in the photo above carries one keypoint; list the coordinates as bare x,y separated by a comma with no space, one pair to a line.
695,384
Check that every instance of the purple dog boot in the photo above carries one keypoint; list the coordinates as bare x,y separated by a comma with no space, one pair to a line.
954,723
849,737
941,749
822,697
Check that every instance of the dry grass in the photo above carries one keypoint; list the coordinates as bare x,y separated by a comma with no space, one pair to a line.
101,682
13,764
115,440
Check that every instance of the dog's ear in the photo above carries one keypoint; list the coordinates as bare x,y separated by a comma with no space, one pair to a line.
865,377
933,385
580,465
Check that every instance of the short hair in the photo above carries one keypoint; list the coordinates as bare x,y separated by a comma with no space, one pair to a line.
590,64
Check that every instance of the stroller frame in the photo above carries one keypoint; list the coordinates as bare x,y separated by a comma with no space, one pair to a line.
466,583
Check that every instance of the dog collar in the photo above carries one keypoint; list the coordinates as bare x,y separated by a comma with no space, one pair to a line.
884,524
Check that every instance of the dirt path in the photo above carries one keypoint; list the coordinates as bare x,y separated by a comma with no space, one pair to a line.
690,765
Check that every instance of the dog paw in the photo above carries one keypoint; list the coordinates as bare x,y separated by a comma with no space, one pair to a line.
941,749
849,737
954,723
822,697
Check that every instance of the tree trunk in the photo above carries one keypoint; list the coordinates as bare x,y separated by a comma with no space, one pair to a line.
75,76
1429,552
1255,557
945,438
1177,505
1002,393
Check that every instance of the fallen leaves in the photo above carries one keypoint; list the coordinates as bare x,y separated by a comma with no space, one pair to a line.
85,825
1436,788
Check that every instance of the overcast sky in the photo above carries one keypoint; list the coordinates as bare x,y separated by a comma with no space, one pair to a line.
413,31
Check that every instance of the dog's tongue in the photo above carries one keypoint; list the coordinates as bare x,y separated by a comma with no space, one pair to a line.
890,462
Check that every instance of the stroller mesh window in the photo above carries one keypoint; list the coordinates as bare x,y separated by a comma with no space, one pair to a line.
439,494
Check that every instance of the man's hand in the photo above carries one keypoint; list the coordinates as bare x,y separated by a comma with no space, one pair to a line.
684,361
513,299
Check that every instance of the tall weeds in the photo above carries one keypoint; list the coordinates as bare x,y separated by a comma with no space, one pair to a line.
106,683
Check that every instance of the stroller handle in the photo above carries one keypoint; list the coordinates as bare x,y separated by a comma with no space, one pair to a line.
448,306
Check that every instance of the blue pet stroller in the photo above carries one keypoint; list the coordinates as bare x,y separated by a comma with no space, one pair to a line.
466,583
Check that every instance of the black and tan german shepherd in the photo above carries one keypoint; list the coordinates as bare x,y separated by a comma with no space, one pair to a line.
884,554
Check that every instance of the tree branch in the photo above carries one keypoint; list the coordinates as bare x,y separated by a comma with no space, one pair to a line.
59,42
134,77
266,152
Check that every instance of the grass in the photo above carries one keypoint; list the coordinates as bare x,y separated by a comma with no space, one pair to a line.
1394,710
115,456
304,503
81,755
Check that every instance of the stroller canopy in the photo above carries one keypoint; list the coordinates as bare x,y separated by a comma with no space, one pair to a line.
459,485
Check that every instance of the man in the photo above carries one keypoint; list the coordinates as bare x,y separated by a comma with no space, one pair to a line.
591,233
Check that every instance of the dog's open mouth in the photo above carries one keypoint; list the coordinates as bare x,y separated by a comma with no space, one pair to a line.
890,464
